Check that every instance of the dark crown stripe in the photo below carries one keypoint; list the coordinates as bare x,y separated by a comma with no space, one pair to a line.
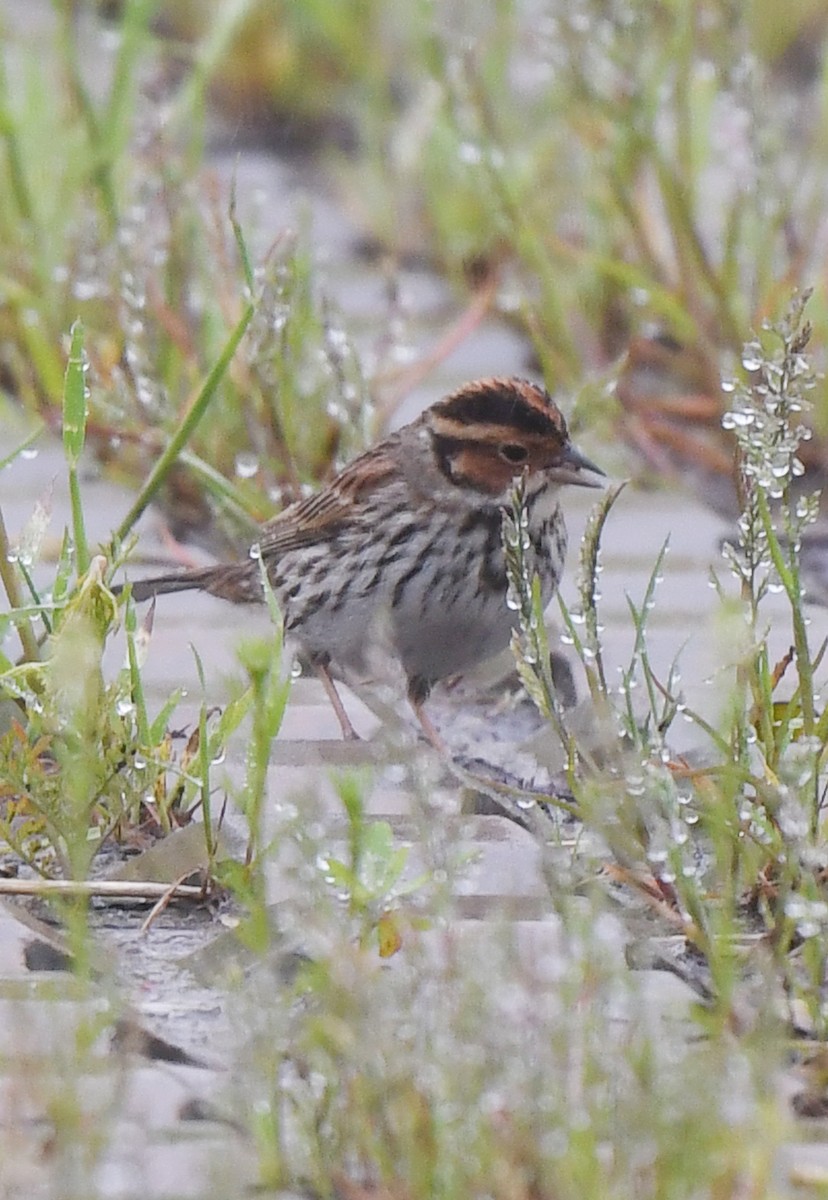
503,404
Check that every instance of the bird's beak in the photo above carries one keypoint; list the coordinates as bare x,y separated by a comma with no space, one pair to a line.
569,466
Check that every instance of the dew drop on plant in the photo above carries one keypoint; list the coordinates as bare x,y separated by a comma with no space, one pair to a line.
296,669
219,759
246,465
255,551
29,452
124,708
85,289
470,154
139,763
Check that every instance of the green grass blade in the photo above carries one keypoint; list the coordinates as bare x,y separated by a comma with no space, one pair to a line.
186,427
75,400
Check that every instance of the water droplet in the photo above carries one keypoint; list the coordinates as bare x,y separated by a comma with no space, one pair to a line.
247,465
470,153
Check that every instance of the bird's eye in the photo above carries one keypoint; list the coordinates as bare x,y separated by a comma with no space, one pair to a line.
513,453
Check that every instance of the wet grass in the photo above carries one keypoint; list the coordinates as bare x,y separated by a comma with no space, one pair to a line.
584,169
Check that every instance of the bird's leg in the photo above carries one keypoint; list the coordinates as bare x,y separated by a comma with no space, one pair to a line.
418,693
320,666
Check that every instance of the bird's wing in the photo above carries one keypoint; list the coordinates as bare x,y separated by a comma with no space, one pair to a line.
340,503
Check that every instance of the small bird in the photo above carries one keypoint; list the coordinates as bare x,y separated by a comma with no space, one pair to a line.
406,540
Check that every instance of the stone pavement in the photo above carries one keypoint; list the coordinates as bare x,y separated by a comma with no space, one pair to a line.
56,1073
154,1147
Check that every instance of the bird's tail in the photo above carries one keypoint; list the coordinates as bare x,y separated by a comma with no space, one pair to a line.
237,582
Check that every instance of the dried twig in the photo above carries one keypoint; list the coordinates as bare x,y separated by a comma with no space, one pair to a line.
127,889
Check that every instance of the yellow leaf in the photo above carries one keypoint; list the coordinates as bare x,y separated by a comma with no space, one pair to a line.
389,935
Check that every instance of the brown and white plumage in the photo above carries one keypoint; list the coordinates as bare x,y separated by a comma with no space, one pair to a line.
408,537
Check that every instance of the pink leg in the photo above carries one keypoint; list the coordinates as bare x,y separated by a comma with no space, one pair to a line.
348,731
427,726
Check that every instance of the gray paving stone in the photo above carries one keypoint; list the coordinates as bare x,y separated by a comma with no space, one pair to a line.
18,932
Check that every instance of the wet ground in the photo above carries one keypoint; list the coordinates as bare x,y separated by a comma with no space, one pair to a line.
174,977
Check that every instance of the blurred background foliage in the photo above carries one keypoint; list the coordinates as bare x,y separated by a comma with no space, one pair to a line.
635,186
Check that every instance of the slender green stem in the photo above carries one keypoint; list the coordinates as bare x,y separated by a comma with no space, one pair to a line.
186,428
789,578
78,525
204,765
14,154
75,402
8,574
101,169
221,489
136,680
